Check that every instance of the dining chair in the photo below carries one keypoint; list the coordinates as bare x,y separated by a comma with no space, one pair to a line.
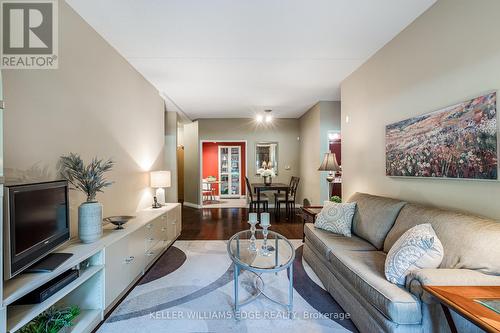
206,191
254,203
281,198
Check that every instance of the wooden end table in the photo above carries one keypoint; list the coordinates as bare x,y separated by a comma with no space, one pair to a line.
309,216
462,300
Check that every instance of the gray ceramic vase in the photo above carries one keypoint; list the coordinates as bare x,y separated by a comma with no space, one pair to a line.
90,221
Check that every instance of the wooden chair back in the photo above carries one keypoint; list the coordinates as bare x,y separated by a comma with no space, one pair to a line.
294,184
249,188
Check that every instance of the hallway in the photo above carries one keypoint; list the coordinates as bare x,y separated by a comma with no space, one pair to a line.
222,223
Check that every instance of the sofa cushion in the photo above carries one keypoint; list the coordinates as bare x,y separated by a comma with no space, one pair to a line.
336,217
364,272
374,217
469,242
325,242
419,247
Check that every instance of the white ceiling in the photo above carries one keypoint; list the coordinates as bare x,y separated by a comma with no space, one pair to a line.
233,58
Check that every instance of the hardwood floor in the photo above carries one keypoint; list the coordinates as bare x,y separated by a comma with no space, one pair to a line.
222,223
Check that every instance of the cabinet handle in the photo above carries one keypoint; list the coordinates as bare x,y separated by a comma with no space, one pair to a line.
149,226
163,229
151,239
150,253
174,222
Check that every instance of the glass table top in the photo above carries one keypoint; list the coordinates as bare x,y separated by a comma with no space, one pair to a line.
280,251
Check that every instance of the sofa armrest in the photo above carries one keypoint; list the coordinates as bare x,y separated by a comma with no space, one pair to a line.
446,277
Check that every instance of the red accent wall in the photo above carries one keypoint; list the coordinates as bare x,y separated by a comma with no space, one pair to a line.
210,167
335,147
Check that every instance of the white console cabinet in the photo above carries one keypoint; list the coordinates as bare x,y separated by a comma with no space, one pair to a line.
116,262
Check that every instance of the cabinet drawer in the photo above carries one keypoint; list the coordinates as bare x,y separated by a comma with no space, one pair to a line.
174,222
156,231
149,243
152,253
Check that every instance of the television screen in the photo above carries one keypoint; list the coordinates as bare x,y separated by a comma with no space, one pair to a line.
39,214
37,223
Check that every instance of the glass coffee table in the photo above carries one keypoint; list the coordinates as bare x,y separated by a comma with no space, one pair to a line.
254,257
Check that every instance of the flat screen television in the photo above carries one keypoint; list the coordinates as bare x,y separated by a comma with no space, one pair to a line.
36,222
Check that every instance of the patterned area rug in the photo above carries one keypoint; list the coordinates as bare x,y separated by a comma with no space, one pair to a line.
190,289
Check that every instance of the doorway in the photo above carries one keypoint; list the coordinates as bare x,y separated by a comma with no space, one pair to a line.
335,146
180,173
223,171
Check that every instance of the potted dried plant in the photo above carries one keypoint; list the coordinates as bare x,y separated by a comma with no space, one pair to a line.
89,179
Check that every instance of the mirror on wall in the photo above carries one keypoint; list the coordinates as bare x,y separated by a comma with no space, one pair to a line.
266,155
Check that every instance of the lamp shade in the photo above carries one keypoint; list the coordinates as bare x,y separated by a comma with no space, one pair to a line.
159,179
329,163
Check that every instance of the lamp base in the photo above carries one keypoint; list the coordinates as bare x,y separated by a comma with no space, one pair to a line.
160,195
331,177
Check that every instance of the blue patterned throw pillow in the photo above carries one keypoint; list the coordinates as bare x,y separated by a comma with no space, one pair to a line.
417,248
336,217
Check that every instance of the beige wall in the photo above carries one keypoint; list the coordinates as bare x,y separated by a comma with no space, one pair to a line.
450,53
170,163
310,156
315,125
283,131
95,104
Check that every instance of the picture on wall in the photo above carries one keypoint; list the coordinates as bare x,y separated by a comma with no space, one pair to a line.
459,141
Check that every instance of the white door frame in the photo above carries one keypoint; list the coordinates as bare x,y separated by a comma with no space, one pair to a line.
200,176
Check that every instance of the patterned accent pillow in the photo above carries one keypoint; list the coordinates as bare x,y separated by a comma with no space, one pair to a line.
336,217
417,248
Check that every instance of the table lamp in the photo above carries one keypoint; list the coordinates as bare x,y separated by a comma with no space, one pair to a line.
330,164
159,180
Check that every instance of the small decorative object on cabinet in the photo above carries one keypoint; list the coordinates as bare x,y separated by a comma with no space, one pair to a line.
89,179
119,221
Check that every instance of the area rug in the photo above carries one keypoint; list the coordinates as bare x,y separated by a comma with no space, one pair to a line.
190,289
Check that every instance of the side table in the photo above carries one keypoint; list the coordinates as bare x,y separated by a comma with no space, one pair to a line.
309,216
463,300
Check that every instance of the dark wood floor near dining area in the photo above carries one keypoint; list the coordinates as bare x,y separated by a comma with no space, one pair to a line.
222,223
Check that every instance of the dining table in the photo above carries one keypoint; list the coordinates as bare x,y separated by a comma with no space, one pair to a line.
278,187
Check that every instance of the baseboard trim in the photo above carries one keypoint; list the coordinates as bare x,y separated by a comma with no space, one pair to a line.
190,204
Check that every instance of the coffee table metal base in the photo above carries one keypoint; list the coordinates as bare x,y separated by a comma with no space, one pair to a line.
259,287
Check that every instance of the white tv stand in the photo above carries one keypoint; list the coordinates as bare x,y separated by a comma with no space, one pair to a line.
116,262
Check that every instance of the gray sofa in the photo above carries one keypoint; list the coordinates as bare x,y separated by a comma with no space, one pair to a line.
352,269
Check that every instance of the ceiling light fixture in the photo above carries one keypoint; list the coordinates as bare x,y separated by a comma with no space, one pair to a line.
259,118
